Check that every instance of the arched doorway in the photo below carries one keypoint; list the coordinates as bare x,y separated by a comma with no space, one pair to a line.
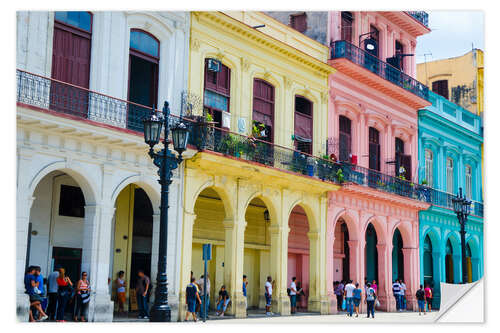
341,266
371,254
208,228
397,256
133,238
256,263
428,262
298,254
57,225
449,264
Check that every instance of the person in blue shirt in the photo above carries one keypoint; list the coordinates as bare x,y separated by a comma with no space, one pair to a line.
245,283
31,285
356,296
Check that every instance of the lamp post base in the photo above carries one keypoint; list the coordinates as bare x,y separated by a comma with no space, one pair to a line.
160,313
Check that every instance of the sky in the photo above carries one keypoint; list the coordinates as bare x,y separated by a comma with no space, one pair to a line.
453,33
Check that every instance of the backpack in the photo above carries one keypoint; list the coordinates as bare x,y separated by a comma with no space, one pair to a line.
288,290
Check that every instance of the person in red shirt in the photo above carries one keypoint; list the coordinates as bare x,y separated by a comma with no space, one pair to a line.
63,294
428,296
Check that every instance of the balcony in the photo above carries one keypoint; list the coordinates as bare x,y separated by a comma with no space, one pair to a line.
420,16
75,102
370,70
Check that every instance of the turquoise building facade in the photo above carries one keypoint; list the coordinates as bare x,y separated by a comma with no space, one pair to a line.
450,140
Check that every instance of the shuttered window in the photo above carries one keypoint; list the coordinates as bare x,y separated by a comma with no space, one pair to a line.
429,167
303,124
468,181
346,26
441,88
217,92
374,149
450,175
263,106
299,22
344,138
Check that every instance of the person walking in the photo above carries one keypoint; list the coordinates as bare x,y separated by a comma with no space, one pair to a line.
268,295
356,297
428,297
402,294
192,296
245,284
371,296
348,294
64,290
201,284
338,289
121,296
420,294
374,286
82,298
396,288
52,289
223,301
293,295
141,292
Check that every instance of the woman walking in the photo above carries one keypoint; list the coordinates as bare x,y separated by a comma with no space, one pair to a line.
82,297
356,296
428,297
63,294
121,284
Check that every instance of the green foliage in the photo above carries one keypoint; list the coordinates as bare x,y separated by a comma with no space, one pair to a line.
340,176
257,128
424,182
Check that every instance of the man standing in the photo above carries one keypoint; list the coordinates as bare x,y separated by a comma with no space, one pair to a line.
348,293
402,294
191,297
269,295
396,289
52,293
421,300
245,284
141,292
293,295
201,282
339,292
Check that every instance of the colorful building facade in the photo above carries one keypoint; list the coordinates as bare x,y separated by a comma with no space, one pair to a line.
450,141
252,189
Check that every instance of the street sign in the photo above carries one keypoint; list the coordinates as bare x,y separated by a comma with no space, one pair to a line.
207,251
207,255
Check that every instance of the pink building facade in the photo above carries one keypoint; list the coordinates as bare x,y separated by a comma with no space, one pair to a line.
372,230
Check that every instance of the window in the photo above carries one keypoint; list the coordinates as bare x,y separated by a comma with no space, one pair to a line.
450,187
403,162
429,167
399,59
346,26
303,131
441,88
143,76
263,107
468,181
299,22
374,149
217,92
80,20
344,138
71,201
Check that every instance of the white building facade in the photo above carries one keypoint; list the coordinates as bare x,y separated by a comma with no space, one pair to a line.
87,192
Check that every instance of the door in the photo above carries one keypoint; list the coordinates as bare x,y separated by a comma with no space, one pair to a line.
70,259
71,63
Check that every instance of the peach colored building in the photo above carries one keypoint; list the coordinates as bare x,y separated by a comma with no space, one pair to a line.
374,99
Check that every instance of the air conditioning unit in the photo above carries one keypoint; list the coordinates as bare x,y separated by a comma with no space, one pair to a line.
214,65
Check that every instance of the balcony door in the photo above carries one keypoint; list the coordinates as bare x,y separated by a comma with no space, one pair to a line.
403,162
263,108
374,148
71,62
303,131
144,58
344,138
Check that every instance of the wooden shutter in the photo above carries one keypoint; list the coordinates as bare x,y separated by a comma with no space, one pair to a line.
344,138
346,26
299,22
374,149
441,88
406,162
263,105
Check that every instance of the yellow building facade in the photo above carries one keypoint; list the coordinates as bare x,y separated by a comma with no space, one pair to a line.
246,209
461,77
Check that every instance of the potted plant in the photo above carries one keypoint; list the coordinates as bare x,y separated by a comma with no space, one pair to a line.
340,176
324,167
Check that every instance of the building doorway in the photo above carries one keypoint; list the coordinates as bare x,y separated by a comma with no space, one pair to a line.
371,254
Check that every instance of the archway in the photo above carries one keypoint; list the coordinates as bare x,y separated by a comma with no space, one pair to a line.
256,256
397,256
208,228
298,254
132,240
428,262
473,260
341,258
57,225
371,254
449,264
468,259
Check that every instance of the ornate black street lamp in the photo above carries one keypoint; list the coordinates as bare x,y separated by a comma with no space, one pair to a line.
461,207
166,161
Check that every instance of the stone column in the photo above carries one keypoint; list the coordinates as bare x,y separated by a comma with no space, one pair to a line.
318,300
410,256
187,249
475,269
95,259
154,256
363,142
279,261
457,268
233,264
384,271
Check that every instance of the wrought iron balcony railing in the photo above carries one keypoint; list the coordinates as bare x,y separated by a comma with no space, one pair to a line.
420,16
57,96
344,49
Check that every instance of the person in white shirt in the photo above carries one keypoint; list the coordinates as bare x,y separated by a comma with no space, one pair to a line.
402,295
293,295
200,283
348,291
269,295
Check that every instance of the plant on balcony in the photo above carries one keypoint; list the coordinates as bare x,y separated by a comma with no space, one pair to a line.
324,167
258,130
229,145
299,162
340,176
424,182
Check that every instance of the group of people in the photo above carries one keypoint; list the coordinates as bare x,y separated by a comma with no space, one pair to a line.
349,297
424,299
399,293
50,303
296,292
